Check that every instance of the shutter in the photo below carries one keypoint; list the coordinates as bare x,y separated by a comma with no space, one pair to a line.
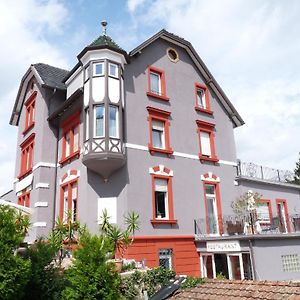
205,143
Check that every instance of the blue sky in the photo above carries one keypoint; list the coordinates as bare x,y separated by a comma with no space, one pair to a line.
250,46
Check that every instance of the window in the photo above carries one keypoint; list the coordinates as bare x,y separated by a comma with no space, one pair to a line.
162,195
159,131
24,199
87,124
99,125
68,203
206,141
165,258
290,263
113,70
29,112
157,84
98,69
202,98
264,211
282,211
113,121
173,55
70,138
26,156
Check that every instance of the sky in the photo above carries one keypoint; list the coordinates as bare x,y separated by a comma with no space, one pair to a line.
250,46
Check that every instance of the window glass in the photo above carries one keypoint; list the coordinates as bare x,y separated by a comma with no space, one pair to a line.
165,258
76,138
161,198
65,210
98,69
158,134
113,70
74,201
99,120
68,142
155,83
262,212
201,98
113,121
205,143
87,125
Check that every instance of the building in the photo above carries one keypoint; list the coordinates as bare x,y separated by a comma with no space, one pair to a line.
149,131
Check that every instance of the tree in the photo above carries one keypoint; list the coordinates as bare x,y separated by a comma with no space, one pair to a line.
14,270
91,276
297,172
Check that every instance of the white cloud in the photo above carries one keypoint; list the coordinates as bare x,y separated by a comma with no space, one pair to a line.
134,4
23,27
252,48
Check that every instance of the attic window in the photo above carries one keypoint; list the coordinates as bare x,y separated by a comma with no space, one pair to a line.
173,55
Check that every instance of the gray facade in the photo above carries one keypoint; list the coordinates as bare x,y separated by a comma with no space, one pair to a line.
121,175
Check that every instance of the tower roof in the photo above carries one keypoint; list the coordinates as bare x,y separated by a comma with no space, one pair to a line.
105,40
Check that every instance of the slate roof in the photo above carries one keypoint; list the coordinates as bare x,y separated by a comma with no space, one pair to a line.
105,40
51,76
214,289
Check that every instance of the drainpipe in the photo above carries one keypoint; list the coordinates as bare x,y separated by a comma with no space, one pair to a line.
252,260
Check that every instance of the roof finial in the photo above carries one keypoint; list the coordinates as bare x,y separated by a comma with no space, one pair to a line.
104,24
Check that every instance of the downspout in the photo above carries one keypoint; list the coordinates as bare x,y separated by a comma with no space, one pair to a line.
252,260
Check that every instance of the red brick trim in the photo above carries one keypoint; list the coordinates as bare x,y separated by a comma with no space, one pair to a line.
284,202
26,156
30,112
208,128
171,219
161,73
163,116
218,202
207,100
24,199
68,126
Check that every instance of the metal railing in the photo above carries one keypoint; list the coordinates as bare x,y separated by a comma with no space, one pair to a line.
260,172
244,225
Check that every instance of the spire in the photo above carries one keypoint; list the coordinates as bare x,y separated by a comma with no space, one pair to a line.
104,24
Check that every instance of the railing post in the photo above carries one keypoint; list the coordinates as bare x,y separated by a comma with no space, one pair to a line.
262,172
195,227
238,168
278,175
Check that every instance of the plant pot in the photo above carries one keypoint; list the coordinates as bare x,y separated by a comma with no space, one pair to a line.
118,265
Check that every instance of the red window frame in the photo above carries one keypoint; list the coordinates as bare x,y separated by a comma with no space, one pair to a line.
284,202
161,73
218,202
27,156
207,109
30,112
69,185
171,219
156,114
68,127
24,199
208,128
268,202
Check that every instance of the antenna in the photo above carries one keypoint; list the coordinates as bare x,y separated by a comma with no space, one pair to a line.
104,24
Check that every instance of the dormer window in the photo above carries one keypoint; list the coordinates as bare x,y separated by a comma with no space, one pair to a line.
98,69
113,70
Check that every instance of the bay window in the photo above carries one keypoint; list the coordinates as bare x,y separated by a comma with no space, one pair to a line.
99,125
113,121
98,69
113,70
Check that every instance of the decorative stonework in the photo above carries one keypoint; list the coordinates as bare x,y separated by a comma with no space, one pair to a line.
210,177
161,170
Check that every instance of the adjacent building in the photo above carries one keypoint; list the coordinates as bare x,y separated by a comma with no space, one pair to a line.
149,131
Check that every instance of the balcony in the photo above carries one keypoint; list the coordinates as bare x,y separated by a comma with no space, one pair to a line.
242,226
251,170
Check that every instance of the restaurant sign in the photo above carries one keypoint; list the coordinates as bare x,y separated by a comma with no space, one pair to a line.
223,246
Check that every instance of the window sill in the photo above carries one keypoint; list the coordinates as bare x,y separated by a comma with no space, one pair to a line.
206,158
163,221
158,150
28,128
24,174
68,159
204,110
161,97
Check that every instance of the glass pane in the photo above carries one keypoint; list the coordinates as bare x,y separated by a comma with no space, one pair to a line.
99,111
160,204
262,212
113,70
98,69
113,121
157,138
65,202
247,266
212,221
155,83
165,258
68,141
209,189
201,98
235,267
76,138
207,260
87,125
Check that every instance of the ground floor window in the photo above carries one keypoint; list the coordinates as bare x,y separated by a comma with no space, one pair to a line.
229,265
165,258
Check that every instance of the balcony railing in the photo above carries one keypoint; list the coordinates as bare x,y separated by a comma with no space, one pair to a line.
265,173
243,225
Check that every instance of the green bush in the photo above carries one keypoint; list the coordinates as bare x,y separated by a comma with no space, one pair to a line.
191,282
91,276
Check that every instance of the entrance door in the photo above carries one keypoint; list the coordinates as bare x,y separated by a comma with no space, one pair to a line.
211,202
221,265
